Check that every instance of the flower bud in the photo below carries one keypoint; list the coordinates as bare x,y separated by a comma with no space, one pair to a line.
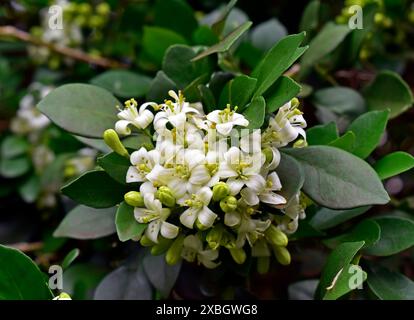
214,237
238,255
263,264
282,255
200,226
276,237
112,140
166,197
268,153
63,296
162,246
173,254
134,198
220,191
228,204
146,242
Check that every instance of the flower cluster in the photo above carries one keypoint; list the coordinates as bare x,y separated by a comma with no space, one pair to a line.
210,182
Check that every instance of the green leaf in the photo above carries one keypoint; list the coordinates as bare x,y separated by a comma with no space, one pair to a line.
341,285
97,144
127,226
13,146
204,36
281,92
115,166
322,134
95,189
13,168
394,164
267,33
81,109
340,258
276,61
184,19
70,257
20,278
161,275
179,67
207,97
367,230
156,40
341,100
136,141
388,285
30,189
160,86
368,129
325,42
219,24
327,218
255,112
337,179
87,223
241,91
397,234
345,142
388,91
191,92
226,43
291,176
310,17
123,83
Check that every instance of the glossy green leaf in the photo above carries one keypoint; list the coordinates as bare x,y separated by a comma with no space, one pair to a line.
13,146
219,24
81,109
368,129
327,218
388,91
389,285
291,176
159,88
127,226
397,234
87,223
123,83
255,112
207,97
322,134
340,258
115,166
241,91
97,144
341,100
264,35
345,142
95,189
226,43
394,164
337,179
281,92
310,17
70,257
20,278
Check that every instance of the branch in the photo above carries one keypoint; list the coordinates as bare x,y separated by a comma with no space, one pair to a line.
27,247
10,31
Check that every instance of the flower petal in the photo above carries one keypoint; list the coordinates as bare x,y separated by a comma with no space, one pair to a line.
256,182
206,217
235,185
121,127
153,229
133,175
188,217
249,196
169,230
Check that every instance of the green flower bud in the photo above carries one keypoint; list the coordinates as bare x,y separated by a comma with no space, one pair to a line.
63,296
214,237
134,198
238,255
276,237
103,9
282,255
220,191
200,226
96,21
228,204
164,194
162,246
173,254
268,153
112,140
146,242
263,264
84,8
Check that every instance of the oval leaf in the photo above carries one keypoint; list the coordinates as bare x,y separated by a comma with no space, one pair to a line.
393,164
127,227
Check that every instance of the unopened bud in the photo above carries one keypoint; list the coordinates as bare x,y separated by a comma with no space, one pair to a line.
238,255
228,204
200,226
112,140
164,194
276,236
134,198
282,255
173,254
263,264
214,237
63,296
146,242
162,246
268,153
220,191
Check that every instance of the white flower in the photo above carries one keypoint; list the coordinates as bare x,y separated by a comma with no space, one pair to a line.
242,169
193,249
131,116
143,162
266,194
198,209
224,120
155,215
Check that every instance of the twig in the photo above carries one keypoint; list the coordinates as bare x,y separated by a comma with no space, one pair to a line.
27,246
10,31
